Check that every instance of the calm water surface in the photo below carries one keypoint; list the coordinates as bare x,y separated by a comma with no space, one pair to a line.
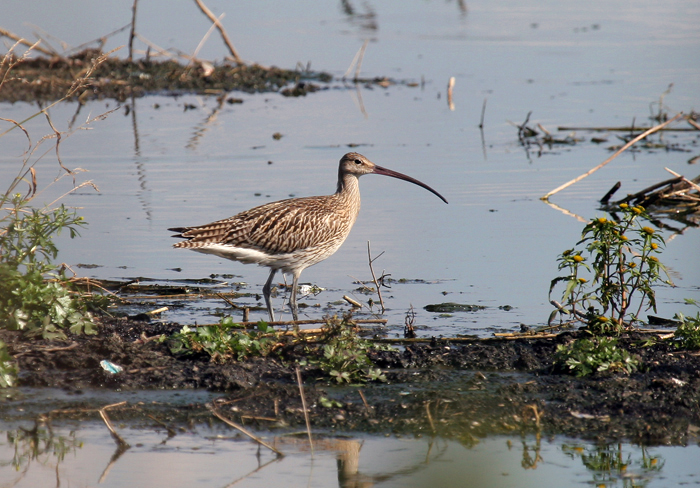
159,165
85,455
495,244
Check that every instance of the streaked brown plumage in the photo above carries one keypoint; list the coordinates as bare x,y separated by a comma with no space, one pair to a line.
290,235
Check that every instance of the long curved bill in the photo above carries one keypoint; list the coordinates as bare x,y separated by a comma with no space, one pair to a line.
378,170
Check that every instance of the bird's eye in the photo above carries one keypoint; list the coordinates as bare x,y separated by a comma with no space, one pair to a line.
357,161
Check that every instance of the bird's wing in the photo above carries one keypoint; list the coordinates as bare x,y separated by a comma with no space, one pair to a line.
285,226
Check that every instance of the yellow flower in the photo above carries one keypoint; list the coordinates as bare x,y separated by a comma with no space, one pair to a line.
578,258
602,220
638,210
653,258
582,280
624,205
633,265
648,230
623,237
654,245
602,319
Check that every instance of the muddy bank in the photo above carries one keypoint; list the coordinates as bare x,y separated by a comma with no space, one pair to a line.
45,79
463,391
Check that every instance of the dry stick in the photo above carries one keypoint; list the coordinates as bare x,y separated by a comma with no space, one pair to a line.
352,63
374,278
361,55
483,112
159,50
296,322
352,301
233,305
625,129
617,153
35,45
450,86
448,340
684,179
306,412
103,413
430,417
224,36
132,33
205,38
241,429
364,400
649,189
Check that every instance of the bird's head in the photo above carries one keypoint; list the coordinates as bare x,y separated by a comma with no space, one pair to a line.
357,165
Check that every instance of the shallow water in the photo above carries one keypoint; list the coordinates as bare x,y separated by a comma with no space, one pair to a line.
495,244
84,454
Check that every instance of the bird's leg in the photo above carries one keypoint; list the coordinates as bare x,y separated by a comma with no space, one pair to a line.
293,297
266,294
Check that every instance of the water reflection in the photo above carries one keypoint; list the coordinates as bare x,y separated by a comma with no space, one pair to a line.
613,463
143,193
46,454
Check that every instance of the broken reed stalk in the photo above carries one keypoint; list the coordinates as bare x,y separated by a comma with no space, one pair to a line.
361,57
617,153
103,413
467,340
450,86
358,57
306,412
132,31
33,46
295,322
430,417
241,429
364,400
630,129
483,112
205,10
352,301
684,179
374,277
206,36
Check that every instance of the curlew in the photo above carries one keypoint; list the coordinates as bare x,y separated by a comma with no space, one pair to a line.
293,234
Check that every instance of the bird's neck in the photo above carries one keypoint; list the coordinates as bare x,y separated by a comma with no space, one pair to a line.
349,188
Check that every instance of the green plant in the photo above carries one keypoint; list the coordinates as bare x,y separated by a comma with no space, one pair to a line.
687,335
8,368
35,295
344,354
586,356
619,272
223,342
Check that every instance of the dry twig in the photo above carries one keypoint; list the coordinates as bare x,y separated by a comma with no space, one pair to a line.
242,429
617,153
306,411
222,31
374,277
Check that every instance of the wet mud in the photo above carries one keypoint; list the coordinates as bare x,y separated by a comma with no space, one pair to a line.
43,79
464,391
